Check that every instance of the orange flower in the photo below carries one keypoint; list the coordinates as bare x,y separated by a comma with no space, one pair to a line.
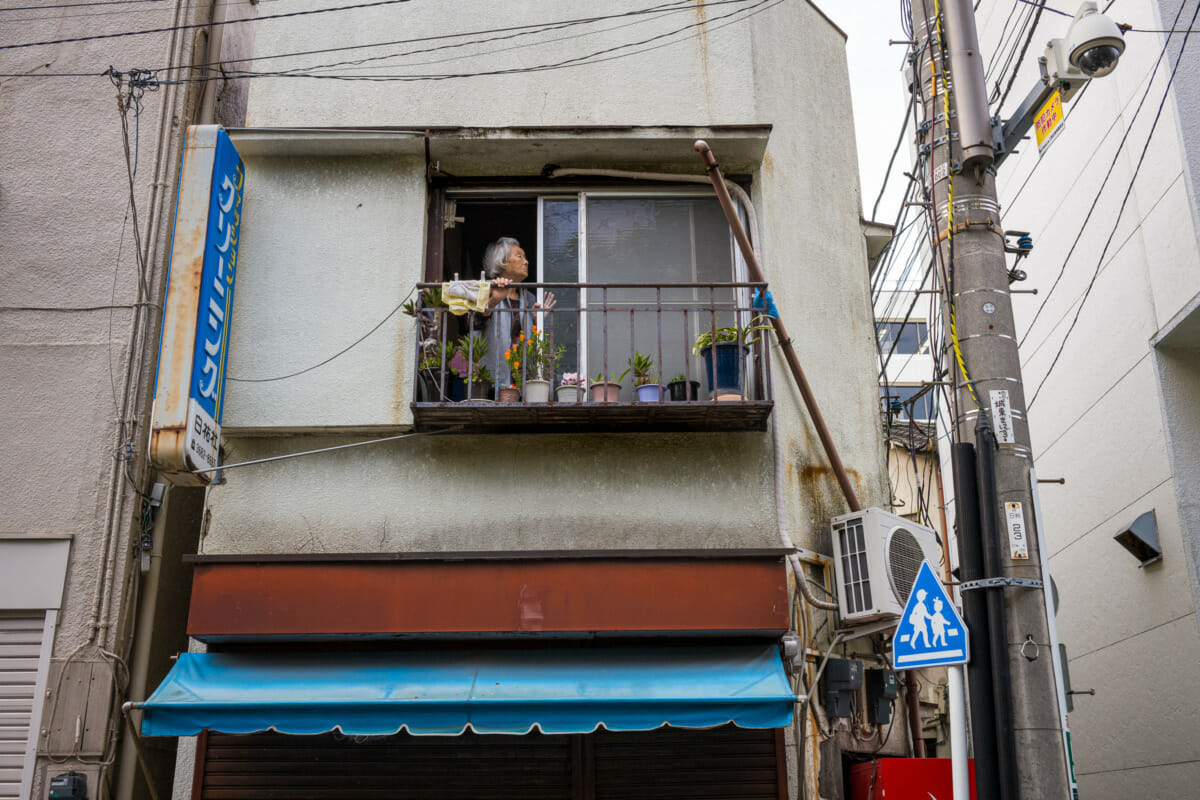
517,364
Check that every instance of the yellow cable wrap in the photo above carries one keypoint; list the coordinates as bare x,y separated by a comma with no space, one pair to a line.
958,356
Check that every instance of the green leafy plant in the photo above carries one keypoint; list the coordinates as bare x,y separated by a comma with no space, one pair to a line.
733,333
435,356
468,355
430,298
642,366
602,378
680,378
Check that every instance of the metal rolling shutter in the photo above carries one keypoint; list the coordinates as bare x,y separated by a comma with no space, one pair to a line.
330,767
725,763
20,649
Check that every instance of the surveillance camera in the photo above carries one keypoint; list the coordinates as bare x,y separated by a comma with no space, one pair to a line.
1094,42
1091,49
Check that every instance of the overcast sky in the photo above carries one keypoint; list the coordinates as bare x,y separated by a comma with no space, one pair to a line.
877,91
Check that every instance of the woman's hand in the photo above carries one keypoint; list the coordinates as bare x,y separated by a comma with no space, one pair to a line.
547,303
499,291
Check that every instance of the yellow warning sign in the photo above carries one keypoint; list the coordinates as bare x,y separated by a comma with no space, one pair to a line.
1048,122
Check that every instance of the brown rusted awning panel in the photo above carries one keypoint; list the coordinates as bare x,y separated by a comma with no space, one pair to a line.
301,600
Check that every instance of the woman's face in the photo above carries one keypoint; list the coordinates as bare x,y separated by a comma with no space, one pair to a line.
516,268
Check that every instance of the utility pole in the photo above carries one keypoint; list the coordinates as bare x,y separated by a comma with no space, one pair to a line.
981,351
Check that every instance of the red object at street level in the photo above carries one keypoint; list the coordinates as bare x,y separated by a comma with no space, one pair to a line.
905,779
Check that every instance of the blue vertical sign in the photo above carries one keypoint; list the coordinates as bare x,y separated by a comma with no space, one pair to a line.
207,384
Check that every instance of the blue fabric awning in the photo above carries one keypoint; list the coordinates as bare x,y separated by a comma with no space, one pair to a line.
445,692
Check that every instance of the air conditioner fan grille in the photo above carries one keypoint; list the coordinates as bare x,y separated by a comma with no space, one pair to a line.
904,557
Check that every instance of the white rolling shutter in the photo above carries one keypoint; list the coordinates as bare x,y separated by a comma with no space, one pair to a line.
23,637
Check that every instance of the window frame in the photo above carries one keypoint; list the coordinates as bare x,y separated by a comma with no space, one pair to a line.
580,192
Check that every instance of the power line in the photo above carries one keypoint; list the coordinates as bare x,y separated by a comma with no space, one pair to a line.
1103,183
589,58
489,33
1020,58
1042,4
200,25
338,354
488,36
887,173
79,5
1124,201
161,8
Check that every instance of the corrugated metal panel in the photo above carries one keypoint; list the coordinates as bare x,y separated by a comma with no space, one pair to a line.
725,763
20,648
274,766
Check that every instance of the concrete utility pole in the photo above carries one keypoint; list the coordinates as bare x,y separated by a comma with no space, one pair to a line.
981,341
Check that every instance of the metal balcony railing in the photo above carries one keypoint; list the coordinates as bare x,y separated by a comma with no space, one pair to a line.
605,356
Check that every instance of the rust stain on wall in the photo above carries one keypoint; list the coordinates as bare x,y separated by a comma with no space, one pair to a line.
702,19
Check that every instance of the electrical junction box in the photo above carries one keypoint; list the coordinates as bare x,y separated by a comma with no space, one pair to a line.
843,677
905,779
882,689
69,786
876,557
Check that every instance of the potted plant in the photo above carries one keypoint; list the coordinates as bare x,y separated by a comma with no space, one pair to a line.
645,383
432,353
605,391
568,388
429,375
539,356
474,380
680,389
723,351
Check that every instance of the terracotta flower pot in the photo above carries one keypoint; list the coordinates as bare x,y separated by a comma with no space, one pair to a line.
509,394
606,392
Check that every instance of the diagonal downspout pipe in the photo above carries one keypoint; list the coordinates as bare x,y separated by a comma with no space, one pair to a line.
785,342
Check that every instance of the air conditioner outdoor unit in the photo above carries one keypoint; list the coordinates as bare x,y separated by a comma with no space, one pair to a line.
876,558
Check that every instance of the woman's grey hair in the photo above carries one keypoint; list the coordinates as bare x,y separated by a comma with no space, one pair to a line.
496,254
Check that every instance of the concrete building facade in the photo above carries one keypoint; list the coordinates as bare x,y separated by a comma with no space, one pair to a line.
370,172
1110,364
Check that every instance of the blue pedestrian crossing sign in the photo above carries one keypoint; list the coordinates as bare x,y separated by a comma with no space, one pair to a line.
930,632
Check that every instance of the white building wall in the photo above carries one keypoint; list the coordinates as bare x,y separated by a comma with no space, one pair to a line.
1096,421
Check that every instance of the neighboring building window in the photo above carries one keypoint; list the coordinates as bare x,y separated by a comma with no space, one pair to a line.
893,398
910,338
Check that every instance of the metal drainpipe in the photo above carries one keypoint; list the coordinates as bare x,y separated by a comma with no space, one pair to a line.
997,615
979,670
785,342
212,54
131,755
912,701
780,509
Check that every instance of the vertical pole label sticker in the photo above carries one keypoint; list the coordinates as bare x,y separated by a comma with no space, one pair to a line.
1002,421
1018,536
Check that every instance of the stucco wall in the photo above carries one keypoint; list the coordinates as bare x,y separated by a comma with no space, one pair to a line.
329,247
535,492
69,277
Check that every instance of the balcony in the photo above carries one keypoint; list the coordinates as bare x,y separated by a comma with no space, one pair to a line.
636,350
